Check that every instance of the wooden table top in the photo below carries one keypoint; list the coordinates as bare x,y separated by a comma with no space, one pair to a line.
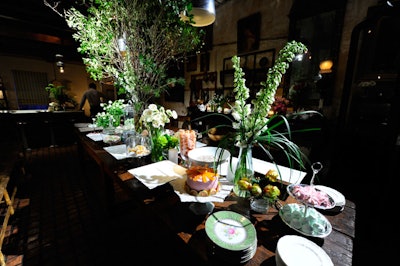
163,202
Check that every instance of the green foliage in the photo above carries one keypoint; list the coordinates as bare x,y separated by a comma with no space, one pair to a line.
152,32
250,120
112,111
58,94
168,142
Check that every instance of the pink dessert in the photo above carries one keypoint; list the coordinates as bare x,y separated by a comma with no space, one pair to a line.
310,195
202,181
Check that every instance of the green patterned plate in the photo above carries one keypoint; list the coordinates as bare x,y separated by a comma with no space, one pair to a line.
231,230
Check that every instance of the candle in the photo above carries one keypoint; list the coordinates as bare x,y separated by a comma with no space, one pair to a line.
173,155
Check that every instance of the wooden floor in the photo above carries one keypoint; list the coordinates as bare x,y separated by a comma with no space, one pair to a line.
62,219
65,221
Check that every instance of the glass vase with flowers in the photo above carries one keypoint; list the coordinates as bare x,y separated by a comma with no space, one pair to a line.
111,114
110,119
154,119
252,124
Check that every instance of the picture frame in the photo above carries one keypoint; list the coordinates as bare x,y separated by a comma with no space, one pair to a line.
191,63
248,33
204,62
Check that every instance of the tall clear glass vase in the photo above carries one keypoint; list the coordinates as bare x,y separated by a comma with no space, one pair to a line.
244,171
156,147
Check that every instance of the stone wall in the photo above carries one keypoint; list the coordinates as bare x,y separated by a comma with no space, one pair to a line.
273,34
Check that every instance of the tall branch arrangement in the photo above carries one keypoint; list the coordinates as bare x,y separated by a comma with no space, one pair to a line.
133,42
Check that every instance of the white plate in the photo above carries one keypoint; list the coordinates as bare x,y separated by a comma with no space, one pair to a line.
338,197
299,251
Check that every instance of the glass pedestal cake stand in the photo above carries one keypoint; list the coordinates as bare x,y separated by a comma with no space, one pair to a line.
304,218
309,200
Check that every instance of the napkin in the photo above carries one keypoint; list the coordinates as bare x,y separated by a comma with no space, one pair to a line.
159,173
94,136
179,188
117,151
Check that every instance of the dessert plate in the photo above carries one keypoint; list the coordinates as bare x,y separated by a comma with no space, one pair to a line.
231,230
297,250
324,205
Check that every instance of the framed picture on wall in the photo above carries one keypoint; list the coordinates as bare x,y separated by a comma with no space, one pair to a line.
248,33
205,62
191,63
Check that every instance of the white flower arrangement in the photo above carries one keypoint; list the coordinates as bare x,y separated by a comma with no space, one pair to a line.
111,111
156,118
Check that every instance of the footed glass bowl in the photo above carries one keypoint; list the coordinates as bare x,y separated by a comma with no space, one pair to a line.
110,136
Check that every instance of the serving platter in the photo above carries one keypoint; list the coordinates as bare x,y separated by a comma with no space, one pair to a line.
308,222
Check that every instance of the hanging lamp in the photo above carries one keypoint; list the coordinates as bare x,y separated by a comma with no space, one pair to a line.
325,66
203,12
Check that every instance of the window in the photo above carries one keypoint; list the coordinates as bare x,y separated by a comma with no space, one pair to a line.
30,89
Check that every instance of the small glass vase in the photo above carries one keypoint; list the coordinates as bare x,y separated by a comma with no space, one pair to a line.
244,170
260,205
129,116
115,120
157,151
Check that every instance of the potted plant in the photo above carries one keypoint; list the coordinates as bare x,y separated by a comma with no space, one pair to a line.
60,99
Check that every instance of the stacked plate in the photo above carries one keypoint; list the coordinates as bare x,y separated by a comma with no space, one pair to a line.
233,236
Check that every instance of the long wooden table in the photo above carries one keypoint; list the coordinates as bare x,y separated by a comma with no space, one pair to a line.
190,227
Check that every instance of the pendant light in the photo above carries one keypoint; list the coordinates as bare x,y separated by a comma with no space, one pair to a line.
203,12
60,62
325,66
